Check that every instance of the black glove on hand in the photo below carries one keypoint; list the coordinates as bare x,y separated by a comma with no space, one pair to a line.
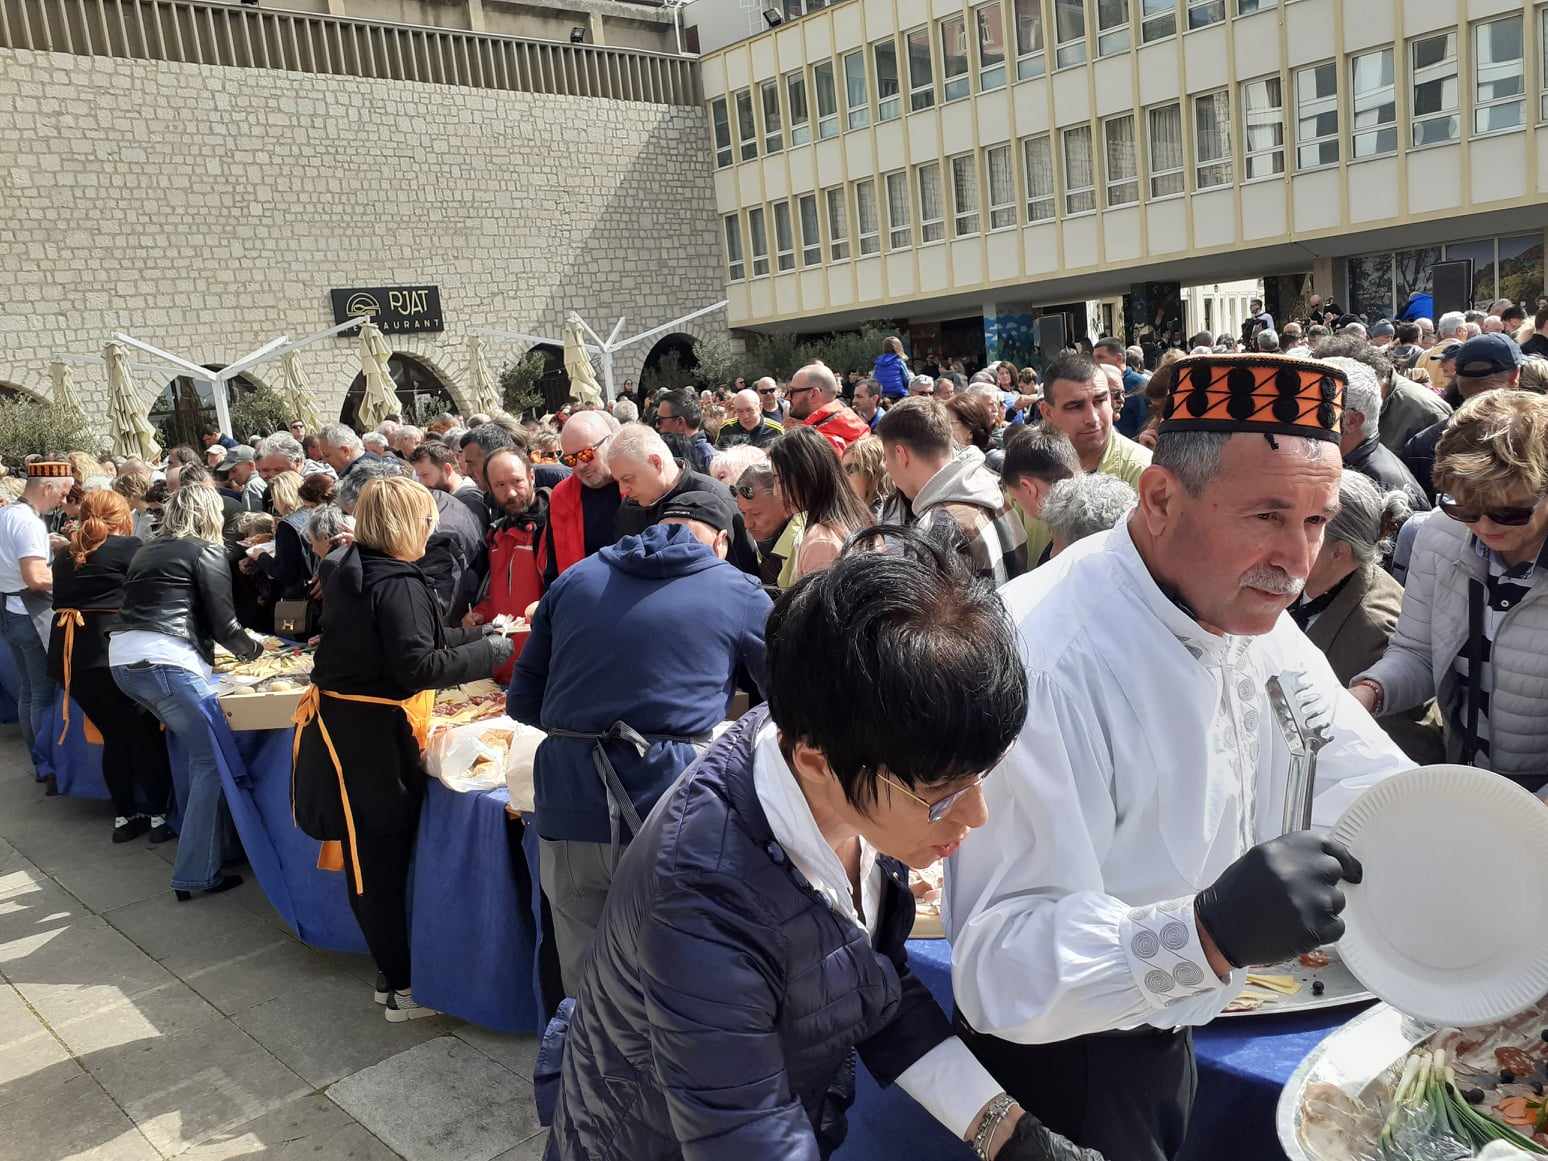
1032,1141
500,650
1279,899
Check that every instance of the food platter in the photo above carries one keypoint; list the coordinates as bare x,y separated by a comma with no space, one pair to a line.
1319,979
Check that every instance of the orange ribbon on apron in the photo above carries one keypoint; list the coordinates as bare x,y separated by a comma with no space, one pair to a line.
70,620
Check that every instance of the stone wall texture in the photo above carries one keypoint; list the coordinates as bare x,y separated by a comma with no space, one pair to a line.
208,209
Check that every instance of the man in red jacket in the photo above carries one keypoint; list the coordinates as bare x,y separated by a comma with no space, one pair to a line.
515,579
813,397
583,509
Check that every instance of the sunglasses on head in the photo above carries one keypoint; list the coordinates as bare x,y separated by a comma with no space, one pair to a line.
1508,517
585,455
748,491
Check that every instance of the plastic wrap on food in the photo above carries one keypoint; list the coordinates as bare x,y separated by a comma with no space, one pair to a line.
482,755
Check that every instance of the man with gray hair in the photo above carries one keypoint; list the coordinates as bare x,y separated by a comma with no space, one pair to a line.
1360,438
405,440
626,411
750,424
921,385
1268,342
1407,408
1450,332
375,443
340,448
278,453
1082,506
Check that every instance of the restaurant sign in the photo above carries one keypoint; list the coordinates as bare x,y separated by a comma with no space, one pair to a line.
395,309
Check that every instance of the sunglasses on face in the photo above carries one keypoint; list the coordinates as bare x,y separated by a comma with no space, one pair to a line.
768,391
1508,517
941,807
585,455
792,392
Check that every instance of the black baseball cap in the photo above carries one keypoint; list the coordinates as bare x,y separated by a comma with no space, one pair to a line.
711,508
1485,355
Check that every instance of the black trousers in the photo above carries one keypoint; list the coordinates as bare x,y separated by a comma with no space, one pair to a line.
134,750
1127,1095
382,911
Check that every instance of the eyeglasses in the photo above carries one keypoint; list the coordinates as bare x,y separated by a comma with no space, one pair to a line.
585,455
1508,517
941,807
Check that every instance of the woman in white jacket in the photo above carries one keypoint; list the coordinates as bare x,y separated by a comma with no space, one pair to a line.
1474,627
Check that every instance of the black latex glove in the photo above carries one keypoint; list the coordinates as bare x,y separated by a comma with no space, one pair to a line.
1279,899
1032,1141
500,650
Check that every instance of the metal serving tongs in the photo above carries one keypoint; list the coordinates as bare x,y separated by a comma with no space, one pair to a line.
1306,721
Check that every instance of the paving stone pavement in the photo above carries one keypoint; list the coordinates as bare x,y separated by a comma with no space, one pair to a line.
134,1028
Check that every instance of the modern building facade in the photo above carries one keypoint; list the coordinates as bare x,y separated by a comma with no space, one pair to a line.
937,160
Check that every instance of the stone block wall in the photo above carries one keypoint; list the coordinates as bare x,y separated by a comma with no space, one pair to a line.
207,209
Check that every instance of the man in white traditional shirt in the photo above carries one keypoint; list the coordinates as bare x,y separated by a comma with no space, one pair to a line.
1129,866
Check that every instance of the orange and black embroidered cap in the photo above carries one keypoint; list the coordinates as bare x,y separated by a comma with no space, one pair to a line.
1263,393
48,470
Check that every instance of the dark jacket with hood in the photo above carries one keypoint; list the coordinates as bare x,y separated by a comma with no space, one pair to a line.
381,636
649,631
1376,462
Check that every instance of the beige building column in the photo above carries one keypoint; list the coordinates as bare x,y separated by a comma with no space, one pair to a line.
476,15
598,31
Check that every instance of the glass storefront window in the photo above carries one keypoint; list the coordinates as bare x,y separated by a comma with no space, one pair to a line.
1370,285
1521,270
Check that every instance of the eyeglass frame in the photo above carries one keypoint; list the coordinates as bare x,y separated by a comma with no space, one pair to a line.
572,460
941,807
1447,503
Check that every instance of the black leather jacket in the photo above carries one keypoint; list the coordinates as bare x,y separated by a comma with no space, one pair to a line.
182,588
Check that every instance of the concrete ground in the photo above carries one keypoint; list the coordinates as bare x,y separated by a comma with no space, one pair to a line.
134,1027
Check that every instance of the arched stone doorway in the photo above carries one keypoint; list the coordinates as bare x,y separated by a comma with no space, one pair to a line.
421,392
184,407
671,363
554,382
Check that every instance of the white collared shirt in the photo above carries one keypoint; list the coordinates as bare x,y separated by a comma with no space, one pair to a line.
947,1081
1150,761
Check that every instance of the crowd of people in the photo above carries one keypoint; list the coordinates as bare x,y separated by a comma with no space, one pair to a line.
1017,621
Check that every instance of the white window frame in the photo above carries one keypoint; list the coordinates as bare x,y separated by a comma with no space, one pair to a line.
1542,62
921,94
1121,179
1252,7
1422,130
748,145
1031,49
773,139
1215,165
1377,106
1205,14
1158,20
856,115
955,86
1071,51
731,232
1172,181
1312,110
827,123
967,201
1266,116
990,76
811,229
800,130
1079,198
758,240
1001,195
784,247
867,227
887,108
725,152
900,231
1115,38
1037,156
1482,106
837,199
931,230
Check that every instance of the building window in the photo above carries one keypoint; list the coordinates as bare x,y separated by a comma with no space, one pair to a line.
867,217
1212,140
1112,27
932,206
773,133
1166,151
1158,20
921,76
1079,171
746,125
964,195
1316,116
1263,125
1069,33
758,234
734,268
1031,59
827,100
1432,69
1122,160
1203,13
1037,166
1373,98
720,121
811,230
899,235
784,237
838,225
954,59
889,100
1248,7
1002,187
800,116
1499,101
855,99
989,19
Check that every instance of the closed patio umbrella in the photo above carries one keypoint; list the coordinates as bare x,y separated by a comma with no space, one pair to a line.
63,380
298,392
483,393
132,434
381,397
584,388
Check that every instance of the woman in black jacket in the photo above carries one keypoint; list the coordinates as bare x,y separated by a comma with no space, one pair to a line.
177,605
88,590
359,769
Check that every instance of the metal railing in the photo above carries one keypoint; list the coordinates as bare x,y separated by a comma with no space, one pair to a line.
206,32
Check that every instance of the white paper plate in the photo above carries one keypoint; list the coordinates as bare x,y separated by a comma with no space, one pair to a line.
1451,922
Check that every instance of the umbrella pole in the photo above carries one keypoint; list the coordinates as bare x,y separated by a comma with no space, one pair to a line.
222,406
607,376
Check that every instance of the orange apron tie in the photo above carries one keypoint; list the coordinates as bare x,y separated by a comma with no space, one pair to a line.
70,620
416,709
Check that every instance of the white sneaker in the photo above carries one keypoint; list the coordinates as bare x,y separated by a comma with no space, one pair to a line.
401,1006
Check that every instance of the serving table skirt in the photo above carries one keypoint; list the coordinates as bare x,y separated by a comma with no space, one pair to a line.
9,688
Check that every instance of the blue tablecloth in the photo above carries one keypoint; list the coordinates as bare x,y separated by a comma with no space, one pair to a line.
8,688
1243,1064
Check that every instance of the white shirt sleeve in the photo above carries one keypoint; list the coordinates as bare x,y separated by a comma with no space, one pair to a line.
1040,951
950,1085
33,542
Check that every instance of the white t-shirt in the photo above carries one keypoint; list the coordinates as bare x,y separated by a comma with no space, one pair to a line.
134,645
22,534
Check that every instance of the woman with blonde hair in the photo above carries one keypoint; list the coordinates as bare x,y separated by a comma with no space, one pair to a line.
362,726
177,605
865,468
88,592
288,569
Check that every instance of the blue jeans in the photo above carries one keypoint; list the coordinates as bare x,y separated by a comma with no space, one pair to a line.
35,698
176,696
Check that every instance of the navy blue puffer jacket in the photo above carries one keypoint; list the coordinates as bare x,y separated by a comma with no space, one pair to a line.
724,997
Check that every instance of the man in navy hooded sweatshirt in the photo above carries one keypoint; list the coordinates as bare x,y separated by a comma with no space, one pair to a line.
631,662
